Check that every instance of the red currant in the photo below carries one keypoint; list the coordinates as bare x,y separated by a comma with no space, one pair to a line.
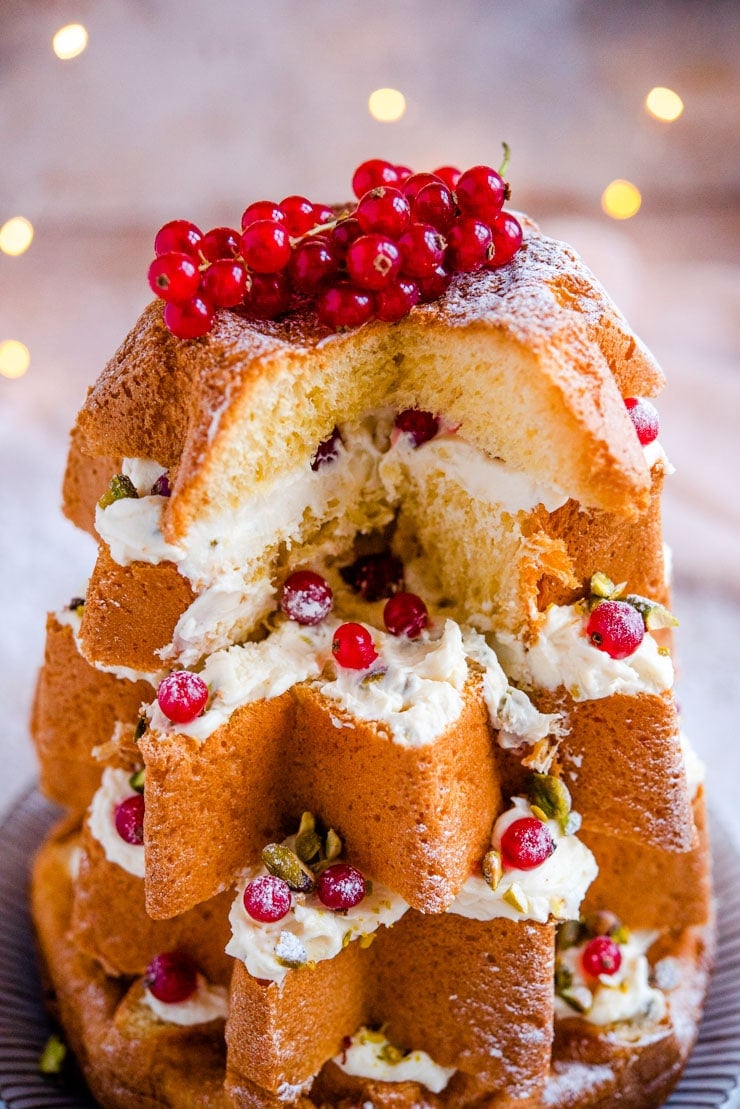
174,276
481,192
470,245
527,843
340,887
266,246
616,628
182,696
267,898
313,260
385,210
372,173
262,209
353,647
299,214
327,451
374,576
601,955
507,238
422,250
220,242
188,319
420,426
323,214
179,236
435,204
129,818
267,296
435,284
644,416
342,306
449,174
396,300
405,614
161,487
306,597
416,182
373,261
344,234
224,283
172,977
403,173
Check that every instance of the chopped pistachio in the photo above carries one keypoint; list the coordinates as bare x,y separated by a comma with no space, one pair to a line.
602,922
579,998
141,726
516,897
572,824
557,907
539,813
76,605
307,845
563,977
290,952
120,488
346,939
568,934
367,940
333,846
53,1055
307,824
655,615
551,796
137,780
664,651
492,867
391,1054
285,864
374,675
621,934
601,586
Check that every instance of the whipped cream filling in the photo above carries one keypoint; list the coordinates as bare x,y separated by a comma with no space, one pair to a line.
370,1054
309,932
562,655
656,455
695,769
554,889
114,788
206,1004
624,996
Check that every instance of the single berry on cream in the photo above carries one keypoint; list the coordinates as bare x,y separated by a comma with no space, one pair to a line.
171,977
353,647
405,614
340,887
162,487
267,898
182,696
601,955
616,628
645,418
129,819
306,597
526,844
420,426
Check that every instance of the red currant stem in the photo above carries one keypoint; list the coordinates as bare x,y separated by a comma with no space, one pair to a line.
319,229
507,158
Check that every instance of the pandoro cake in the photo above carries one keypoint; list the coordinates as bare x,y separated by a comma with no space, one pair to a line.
375,782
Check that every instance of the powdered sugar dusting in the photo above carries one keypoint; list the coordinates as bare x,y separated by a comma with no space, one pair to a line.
575,1080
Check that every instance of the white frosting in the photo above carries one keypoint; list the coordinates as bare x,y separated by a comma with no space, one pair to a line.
563,655
206,1004
143,473
366,1057
655,455
695,768
623,996
310,932
113,789
554,889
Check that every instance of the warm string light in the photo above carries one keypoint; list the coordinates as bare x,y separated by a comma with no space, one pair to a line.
664,104
69,41
16,235
15,358
386,105
621,199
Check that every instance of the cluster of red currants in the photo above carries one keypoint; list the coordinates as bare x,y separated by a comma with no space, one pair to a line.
401,244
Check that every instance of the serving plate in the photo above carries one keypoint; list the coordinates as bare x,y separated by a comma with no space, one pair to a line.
711,1079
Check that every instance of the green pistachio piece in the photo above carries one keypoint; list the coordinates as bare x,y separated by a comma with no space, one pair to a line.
307,824
563,976
492,867
390,1054
601,586
551,796
366,941
119,489
602,922
290,952
568,935
137,780
333,846
621,934
517,898
579,998
285,864
53,1055
656,616
307,845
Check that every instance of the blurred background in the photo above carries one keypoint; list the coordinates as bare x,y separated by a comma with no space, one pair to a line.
622,118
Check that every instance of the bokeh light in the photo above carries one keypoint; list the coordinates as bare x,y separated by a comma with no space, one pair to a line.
664,104
621,199
15,358
69,41
16,235
386,105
